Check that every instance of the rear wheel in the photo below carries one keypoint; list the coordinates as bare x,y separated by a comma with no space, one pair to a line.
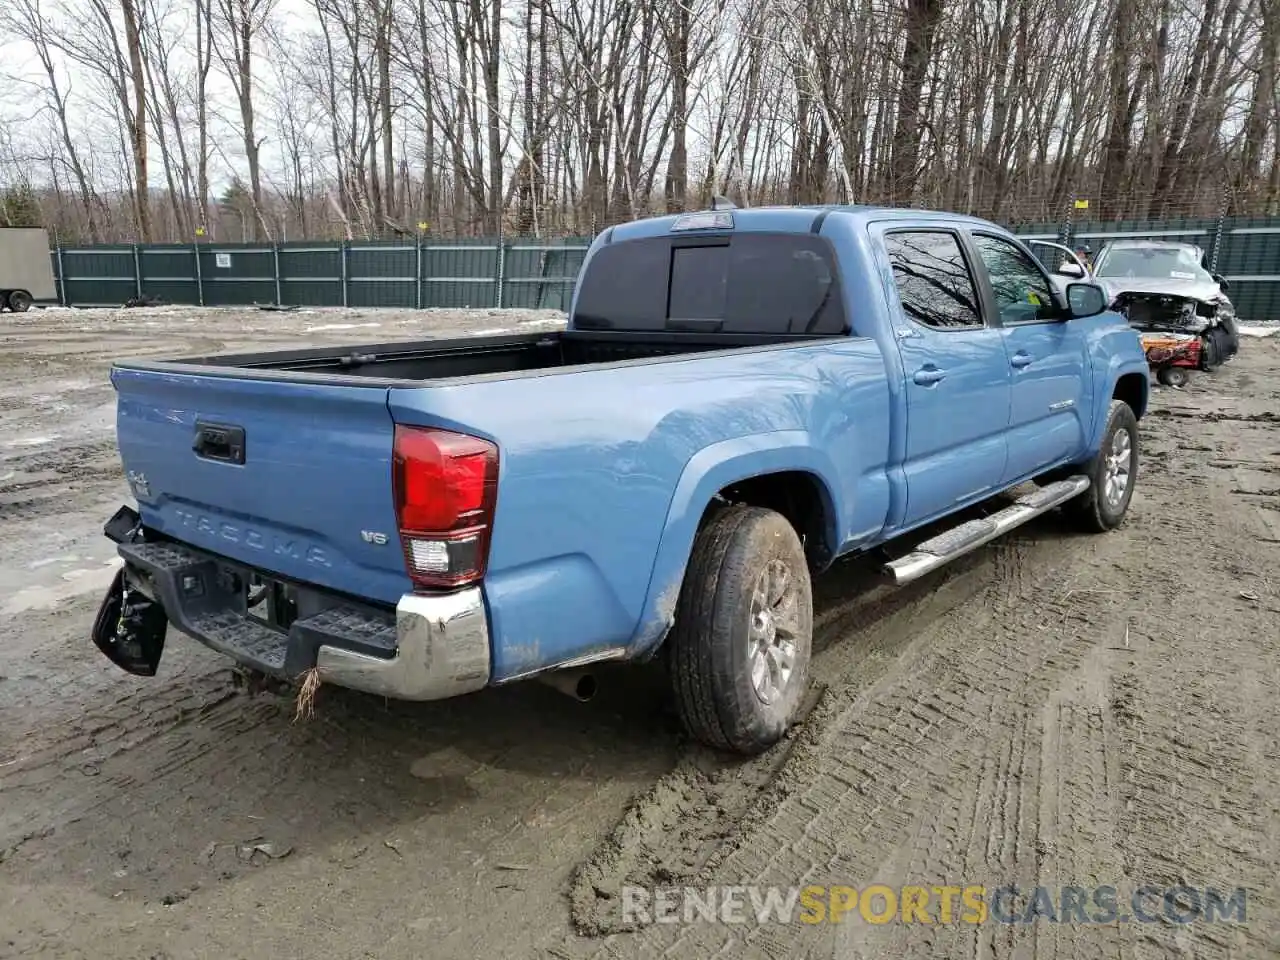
1112,474
19,301
1175,377
739,651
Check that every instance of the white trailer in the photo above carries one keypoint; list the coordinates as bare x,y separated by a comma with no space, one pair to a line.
26,272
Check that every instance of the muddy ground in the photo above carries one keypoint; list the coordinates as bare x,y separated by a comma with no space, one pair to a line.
1054,709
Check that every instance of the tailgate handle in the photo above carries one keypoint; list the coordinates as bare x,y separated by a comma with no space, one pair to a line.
221,442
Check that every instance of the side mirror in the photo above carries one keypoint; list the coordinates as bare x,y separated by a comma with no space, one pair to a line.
1072,270
1086,299
1223,283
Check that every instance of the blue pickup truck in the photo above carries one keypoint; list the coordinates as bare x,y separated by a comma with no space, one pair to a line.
739,398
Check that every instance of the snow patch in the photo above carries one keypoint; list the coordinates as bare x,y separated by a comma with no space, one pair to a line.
1259,330
74,583
49,561
339,326
31,441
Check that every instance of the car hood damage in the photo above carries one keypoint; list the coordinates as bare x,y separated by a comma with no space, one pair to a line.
1175,306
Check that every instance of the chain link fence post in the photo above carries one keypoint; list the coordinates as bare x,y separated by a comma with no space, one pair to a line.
417,274
1217,230
195,249
137,271
501,277
342,256
275,265
62,272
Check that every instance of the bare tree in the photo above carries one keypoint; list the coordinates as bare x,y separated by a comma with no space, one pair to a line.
26,19
365,117
241,23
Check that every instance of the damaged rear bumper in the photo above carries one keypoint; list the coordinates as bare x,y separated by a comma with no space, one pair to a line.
428,648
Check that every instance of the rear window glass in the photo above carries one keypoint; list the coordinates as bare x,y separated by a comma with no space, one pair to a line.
746,283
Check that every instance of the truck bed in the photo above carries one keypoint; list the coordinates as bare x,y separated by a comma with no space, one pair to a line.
501,356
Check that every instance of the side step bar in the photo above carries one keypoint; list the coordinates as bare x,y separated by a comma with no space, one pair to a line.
960,540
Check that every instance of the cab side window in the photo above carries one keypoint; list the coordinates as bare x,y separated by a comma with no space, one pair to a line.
1022,293
933,279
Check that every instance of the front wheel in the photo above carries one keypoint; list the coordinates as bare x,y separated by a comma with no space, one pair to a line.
1175,377
19,301
739,651
1112,473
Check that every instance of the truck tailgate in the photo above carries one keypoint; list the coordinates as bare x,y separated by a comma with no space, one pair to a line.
293,478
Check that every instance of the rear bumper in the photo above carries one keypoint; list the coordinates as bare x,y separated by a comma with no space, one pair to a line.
429,648
442,650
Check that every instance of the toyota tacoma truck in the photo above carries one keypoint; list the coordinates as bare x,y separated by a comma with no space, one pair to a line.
739,397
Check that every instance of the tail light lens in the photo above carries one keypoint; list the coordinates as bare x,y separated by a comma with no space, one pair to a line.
446,486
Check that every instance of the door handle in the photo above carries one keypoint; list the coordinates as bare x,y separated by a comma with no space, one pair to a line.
928,375
1021,359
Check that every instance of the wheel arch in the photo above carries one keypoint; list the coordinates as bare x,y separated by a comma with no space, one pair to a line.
782,471
1134,389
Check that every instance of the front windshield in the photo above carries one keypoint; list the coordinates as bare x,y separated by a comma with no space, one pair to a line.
1167,263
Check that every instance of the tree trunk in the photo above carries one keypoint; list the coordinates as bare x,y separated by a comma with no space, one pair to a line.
920,28
138,124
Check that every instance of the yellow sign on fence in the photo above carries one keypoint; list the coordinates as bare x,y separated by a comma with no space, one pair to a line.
1082,204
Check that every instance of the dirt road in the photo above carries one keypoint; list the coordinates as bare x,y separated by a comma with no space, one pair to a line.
1055,709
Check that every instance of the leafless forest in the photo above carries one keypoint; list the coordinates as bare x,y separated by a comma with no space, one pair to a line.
159,120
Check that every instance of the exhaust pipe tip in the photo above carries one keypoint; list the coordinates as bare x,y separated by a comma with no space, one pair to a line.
585,688
581,685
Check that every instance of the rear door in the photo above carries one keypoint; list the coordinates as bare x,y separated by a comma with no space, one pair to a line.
1047,356
957,375
289,476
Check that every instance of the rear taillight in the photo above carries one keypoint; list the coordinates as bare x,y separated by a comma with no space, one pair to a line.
446,485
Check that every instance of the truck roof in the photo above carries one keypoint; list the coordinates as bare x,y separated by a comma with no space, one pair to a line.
785,219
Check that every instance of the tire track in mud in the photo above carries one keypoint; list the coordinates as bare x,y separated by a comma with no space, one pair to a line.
899,780
916,714
685,825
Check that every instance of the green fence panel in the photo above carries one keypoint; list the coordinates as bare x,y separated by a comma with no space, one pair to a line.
100,275
382,275
1249,258
530,272
238,274
1199,232
1039,231
460,273
311,274
541,277
169,272
55,261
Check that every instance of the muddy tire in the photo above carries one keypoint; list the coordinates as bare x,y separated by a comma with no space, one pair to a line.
19,301
1112,474
1175,377
738,655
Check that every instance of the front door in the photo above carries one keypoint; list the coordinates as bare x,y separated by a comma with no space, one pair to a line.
957,375
1047,357
1054,256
